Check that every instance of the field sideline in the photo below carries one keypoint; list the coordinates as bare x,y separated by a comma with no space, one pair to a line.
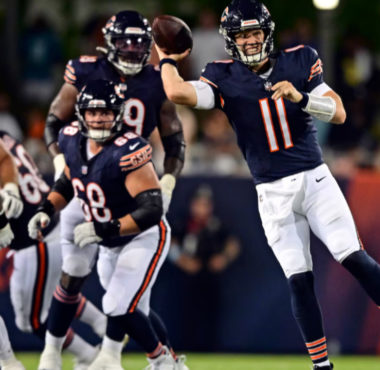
230,362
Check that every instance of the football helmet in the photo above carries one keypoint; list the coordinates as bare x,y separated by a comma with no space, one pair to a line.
100,94
128,38
242,15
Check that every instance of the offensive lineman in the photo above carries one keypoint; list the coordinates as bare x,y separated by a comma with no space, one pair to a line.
270,99
11,205
128,44
111,173
37,265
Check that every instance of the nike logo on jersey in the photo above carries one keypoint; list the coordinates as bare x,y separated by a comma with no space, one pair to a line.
319,180
133,146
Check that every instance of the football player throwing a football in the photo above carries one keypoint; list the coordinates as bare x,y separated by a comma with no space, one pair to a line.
270,99
109,169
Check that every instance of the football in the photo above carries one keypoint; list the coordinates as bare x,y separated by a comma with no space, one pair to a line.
172,34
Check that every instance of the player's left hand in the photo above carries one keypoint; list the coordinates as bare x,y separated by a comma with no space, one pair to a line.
285,89
85,234
6,236
167,183
12,203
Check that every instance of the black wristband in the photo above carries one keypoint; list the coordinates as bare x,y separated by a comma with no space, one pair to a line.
107,230
47,207
3,220
168,60
305,99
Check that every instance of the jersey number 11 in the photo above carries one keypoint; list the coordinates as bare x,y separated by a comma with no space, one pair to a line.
268,123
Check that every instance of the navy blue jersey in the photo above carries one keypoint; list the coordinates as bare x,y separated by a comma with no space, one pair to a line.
276,137
144,92
99,183
32,189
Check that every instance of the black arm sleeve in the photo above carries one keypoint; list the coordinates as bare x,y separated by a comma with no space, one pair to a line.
64,187
174,145
3,220
149,209
52,127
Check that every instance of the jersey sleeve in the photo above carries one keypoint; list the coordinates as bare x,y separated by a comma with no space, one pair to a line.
64,136
314,70
209,75
78,70
133,154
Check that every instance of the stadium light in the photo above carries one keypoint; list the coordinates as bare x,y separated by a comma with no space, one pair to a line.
326,4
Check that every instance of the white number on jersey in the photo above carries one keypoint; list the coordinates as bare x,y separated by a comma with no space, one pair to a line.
31,184
97,199
135,108
268,123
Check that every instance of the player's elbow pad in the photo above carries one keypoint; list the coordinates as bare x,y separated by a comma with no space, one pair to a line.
64,187
174,145
52,126
149,209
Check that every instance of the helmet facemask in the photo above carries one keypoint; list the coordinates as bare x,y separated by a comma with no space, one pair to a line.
130,53
104,95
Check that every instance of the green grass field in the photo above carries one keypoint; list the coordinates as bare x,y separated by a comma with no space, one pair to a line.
231,362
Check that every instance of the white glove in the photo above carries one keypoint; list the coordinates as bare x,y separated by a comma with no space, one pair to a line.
84,234
12,203
6,236
59,165
167,183
38,222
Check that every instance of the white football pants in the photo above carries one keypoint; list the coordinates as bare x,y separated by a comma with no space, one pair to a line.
289,206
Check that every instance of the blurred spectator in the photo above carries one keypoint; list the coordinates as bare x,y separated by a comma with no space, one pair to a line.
302,33
355,69
8,122
34,142
91,35
221,154
203,248
208,44
40,52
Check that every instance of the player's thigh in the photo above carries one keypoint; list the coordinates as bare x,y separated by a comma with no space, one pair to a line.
287,231
77,262
106,264
136,271
71,216
329,215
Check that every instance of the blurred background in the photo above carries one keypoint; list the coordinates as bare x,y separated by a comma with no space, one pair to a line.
221,288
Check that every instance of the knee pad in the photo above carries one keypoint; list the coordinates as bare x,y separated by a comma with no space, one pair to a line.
110,304
76,266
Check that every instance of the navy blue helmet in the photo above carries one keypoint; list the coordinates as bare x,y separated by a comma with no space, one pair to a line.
128,38
242,15
100,94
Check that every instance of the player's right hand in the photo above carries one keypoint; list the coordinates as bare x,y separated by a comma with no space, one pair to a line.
39,221
6,236
11,201
176,57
